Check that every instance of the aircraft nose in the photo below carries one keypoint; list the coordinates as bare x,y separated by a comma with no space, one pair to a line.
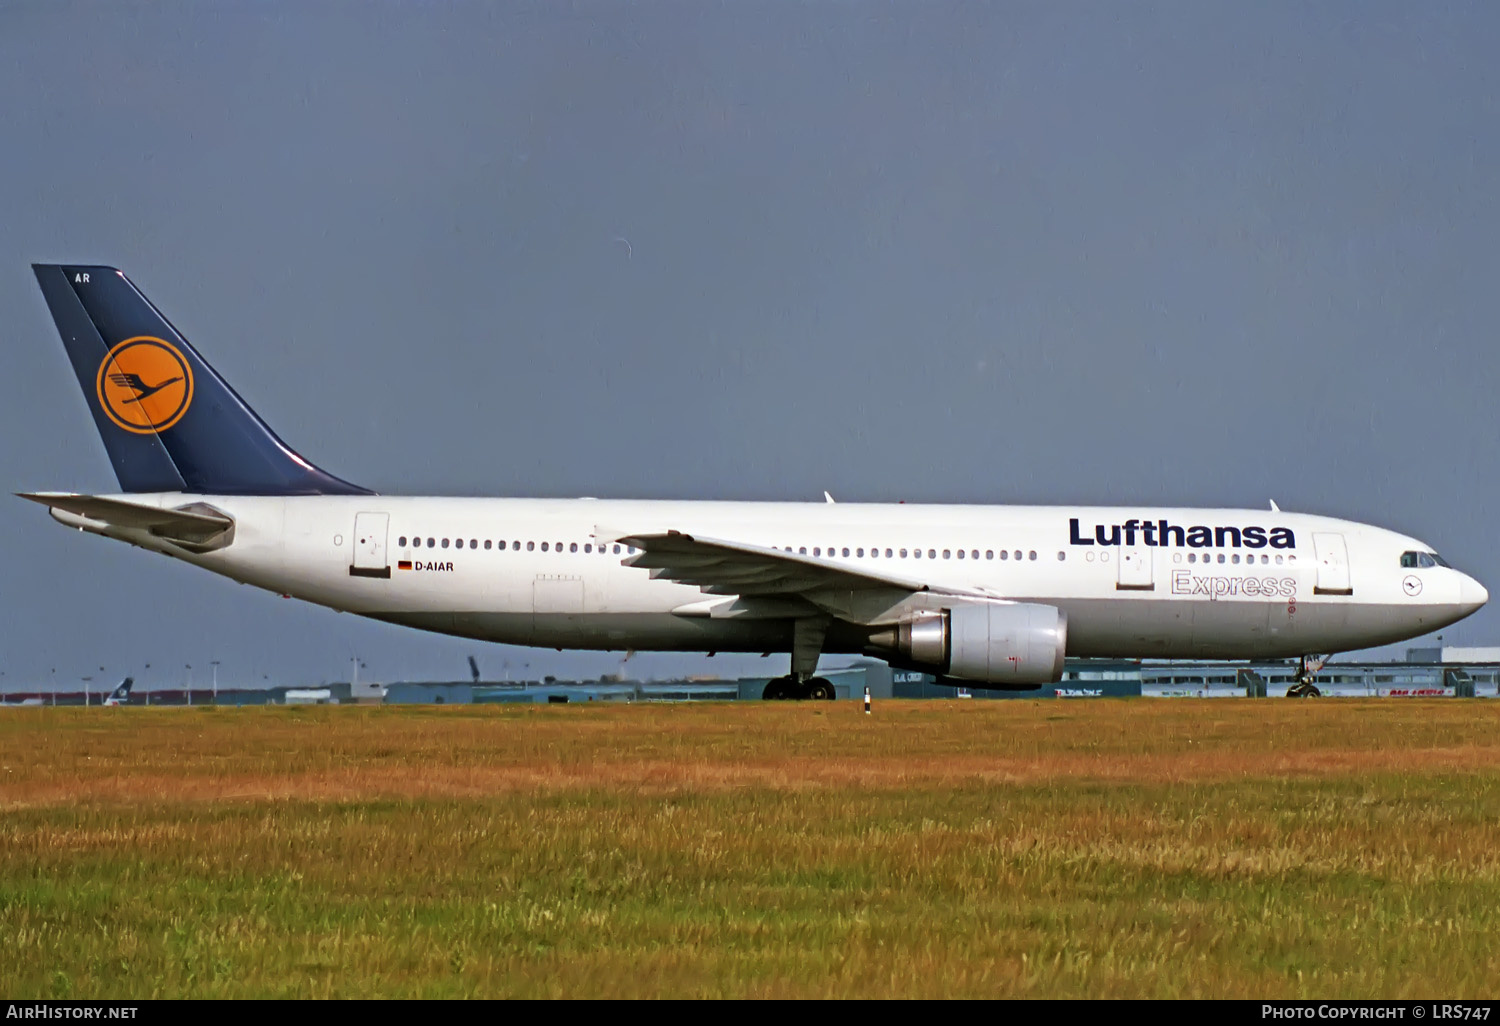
1471,594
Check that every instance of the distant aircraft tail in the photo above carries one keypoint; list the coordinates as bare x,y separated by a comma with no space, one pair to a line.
168,421
121,694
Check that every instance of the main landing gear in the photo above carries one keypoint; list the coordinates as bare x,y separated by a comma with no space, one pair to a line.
790,688
807,644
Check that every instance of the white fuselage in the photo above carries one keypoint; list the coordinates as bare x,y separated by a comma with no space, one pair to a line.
546,571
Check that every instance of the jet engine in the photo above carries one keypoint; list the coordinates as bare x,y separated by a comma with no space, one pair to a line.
1003,644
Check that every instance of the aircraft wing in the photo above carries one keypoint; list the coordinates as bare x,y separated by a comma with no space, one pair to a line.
197,526
759,573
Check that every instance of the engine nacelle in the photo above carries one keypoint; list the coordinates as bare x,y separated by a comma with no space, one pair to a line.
999,643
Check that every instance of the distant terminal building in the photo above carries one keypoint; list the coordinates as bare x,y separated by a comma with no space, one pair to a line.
848,683
1101,678
1426,672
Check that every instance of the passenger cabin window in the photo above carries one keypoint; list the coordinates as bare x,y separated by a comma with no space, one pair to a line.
401,541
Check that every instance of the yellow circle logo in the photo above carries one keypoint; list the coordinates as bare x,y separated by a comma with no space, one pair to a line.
145,385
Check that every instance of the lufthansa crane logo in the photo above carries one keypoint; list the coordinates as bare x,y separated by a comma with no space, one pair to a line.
145,385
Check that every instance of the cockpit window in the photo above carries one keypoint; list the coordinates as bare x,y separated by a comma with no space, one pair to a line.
1412,560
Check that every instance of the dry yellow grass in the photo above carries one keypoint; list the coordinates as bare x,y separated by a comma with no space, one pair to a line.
1131,848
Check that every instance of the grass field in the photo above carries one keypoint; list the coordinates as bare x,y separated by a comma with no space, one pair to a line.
1227,848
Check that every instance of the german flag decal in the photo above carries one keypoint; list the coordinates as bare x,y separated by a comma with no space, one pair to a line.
403,564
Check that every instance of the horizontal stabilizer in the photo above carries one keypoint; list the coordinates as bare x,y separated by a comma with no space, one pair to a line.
197,526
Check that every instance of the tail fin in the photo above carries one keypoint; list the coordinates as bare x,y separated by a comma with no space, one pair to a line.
168,421
121,694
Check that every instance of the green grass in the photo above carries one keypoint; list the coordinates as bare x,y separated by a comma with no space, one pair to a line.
1009,849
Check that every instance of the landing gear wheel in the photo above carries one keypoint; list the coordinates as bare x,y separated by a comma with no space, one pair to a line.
1307,666
820,689
780,689
783,689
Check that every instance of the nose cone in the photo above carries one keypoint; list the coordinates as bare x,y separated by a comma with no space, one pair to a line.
1471,594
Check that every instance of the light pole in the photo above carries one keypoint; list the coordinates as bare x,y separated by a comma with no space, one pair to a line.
215,664
189,682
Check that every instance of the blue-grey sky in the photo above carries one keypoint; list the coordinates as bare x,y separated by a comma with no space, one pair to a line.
1196,253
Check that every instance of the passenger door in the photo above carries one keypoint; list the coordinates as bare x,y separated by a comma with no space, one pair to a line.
1333,565
369,545
1135,569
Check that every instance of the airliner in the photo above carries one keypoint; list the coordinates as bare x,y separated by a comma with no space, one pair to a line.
979,596
121,694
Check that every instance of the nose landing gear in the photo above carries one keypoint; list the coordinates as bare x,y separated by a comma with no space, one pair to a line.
1306,670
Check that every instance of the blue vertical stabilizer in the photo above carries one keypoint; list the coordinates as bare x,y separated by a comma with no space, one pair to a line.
168,421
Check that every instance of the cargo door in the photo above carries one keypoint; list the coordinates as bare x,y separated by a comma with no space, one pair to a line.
369,545
1333,565
556,605
1135,569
